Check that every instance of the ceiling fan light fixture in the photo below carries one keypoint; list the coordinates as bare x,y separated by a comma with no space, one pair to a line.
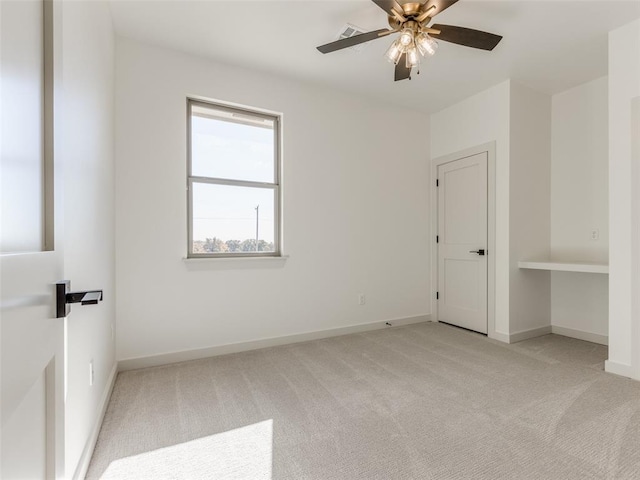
413,57
411,20
394,52
406,37
426,44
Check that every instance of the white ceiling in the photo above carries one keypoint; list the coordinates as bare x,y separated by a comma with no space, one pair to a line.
548,45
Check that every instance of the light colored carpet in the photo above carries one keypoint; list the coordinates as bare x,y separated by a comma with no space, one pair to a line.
417,402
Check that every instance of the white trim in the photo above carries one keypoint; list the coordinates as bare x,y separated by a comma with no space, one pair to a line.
501,337
490,149
527,334
186,355
580,335
634,331
616,368
234,263
87,453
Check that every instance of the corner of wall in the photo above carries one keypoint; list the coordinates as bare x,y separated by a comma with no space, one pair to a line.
624,183
88,68
529,203
87,453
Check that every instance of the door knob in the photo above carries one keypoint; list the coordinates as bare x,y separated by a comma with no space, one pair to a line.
479,252
64,298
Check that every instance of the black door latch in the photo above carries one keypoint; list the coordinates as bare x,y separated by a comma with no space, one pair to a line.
64,298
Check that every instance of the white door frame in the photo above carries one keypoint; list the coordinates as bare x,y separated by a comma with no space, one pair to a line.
490,149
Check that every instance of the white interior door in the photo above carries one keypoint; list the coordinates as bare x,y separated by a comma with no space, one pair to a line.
32,339
462,242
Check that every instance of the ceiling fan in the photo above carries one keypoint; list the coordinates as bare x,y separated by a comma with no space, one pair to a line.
411,20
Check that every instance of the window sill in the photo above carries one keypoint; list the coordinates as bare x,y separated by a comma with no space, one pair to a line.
230,263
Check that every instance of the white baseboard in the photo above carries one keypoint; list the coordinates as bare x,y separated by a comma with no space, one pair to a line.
527,334
580,335
621,369
519,336
87,453
183,356
501,337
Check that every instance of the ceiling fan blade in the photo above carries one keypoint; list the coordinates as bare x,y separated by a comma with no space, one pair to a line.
390,6
402,72
351,41
434,7
466,36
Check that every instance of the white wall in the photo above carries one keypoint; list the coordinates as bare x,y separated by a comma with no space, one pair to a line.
579,205
518,120
356,211
529,205
481,119
624,208
89,260
579,178
635,276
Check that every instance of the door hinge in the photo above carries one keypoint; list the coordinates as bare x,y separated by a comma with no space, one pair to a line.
437,238
437,295
437,182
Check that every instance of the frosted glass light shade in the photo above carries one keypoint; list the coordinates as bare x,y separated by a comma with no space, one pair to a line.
406,37
394,52
426,44
413,57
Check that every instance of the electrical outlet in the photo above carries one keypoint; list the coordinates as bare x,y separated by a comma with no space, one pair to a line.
595,234
361,299
91,374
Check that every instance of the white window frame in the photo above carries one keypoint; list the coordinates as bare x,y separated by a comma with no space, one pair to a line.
275,185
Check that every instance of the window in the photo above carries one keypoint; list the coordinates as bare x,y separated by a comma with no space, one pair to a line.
26,127
233,182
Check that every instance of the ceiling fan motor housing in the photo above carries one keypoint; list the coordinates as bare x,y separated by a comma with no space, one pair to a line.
411,11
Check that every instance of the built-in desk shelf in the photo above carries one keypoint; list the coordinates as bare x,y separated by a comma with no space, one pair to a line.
582,267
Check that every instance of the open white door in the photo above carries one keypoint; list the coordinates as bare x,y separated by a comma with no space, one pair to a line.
462,242
32,339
